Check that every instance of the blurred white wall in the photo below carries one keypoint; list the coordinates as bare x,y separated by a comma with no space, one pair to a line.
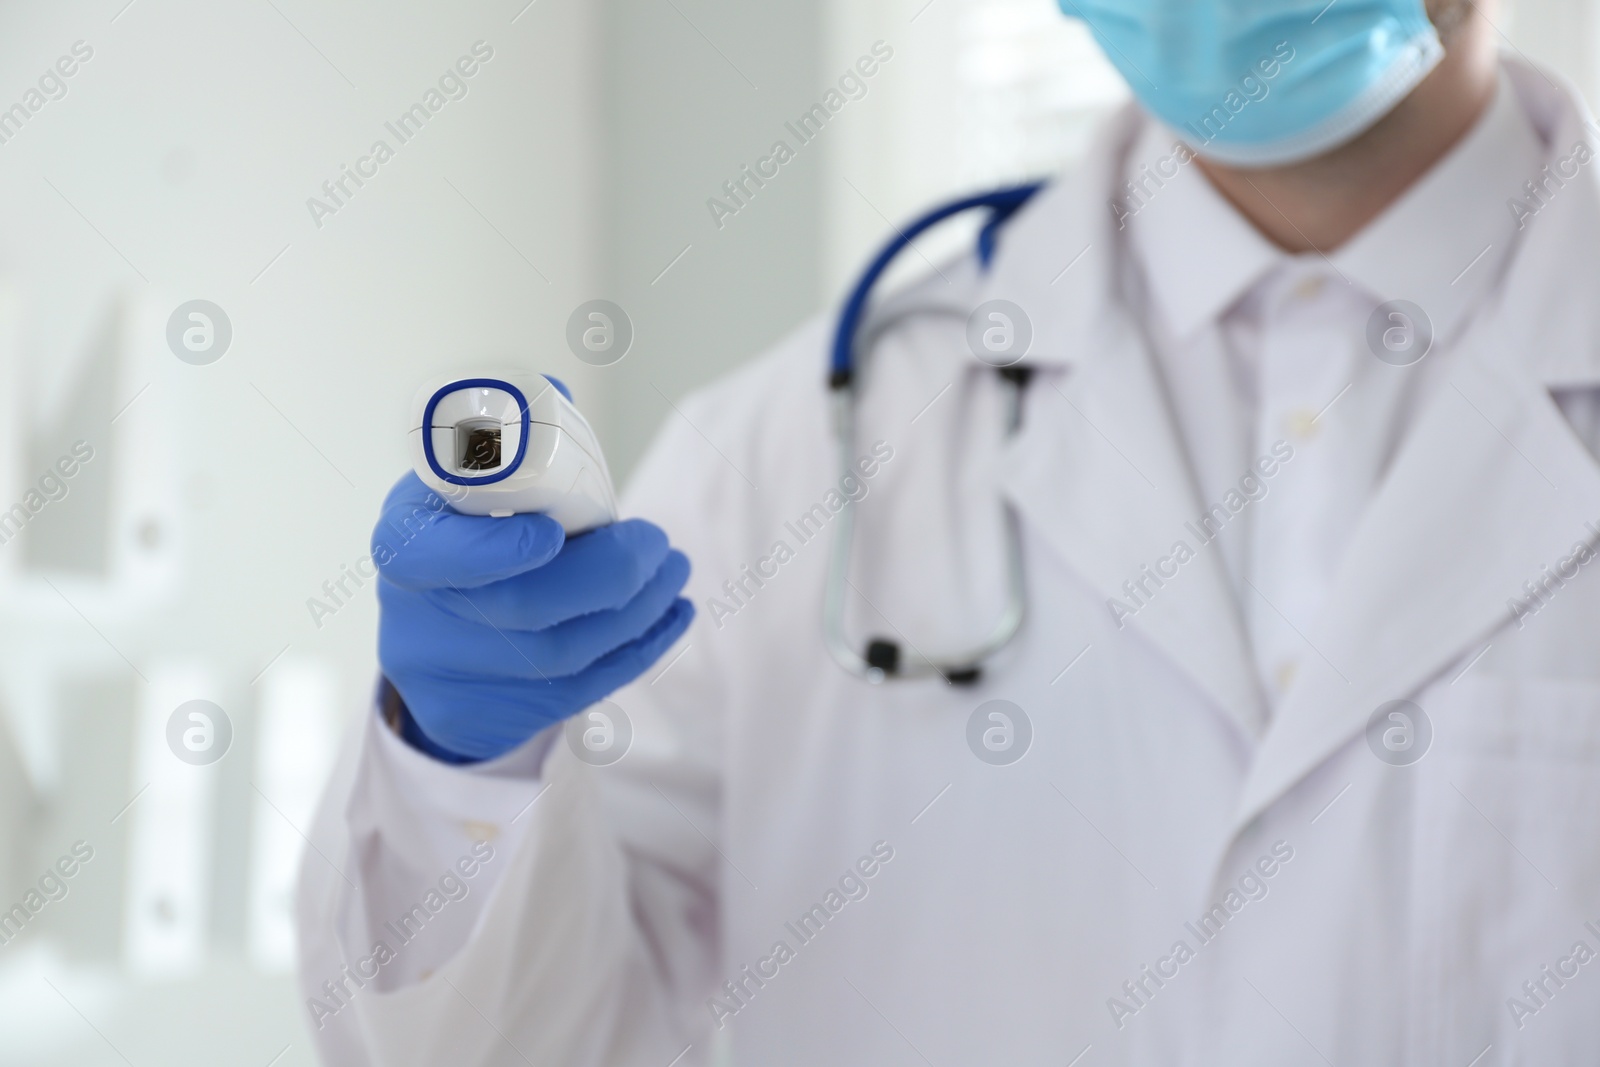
178,566
695,90
582,161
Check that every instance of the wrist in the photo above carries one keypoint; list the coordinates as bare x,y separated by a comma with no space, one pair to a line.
399,719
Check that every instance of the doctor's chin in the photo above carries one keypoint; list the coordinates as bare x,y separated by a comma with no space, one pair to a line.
914,533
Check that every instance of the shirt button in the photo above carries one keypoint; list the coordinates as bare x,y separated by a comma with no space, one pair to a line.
1285,674
1310,287
480,831
1303,424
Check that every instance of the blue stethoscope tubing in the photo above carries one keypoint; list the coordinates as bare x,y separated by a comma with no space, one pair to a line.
881,659
1001,205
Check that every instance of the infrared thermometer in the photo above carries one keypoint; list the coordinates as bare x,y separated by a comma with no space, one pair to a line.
509,444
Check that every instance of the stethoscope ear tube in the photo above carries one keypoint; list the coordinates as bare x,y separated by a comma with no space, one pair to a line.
1001,205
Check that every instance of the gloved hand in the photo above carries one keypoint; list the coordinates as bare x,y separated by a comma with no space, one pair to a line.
493,628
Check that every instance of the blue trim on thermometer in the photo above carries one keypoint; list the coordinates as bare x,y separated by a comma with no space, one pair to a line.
427,430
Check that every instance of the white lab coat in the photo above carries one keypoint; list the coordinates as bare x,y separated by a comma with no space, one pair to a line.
1359,913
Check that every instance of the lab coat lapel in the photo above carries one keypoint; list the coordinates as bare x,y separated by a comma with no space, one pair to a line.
1492,486
1100,474
1099,471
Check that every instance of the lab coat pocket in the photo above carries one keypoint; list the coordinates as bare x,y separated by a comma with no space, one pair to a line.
1505,889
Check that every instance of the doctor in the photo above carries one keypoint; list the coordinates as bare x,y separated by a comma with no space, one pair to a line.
1296,757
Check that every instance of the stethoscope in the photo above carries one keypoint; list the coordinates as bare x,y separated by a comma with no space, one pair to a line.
881,658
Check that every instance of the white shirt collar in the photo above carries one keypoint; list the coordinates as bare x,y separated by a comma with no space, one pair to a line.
1198,254
1441,244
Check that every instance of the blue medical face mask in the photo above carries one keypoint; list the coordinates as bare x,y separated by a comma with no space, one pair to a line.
1260,83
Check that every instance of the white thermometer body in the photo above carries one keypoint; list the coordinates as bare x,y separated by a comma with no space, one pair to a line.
509,444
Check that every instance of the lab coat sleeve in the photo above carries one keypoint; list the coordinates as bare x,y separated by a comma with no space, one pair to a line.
420,827
590,936
408,863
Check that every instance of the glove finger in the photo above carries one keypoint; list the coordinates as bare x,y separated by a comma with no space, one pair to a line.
516,605
621,666
588,638
420,542
558,651
482,715
596,571
604,568
416,641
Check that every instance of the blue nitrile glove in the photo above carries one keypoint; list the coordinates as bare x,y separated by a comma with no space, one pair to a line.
493,628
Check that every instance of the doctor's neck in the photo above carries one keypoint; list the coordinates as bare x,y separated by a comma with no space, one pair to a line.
1319,204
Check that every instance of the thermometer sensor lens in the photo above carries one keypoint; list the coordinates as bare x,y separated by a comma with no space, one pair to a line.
479,446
